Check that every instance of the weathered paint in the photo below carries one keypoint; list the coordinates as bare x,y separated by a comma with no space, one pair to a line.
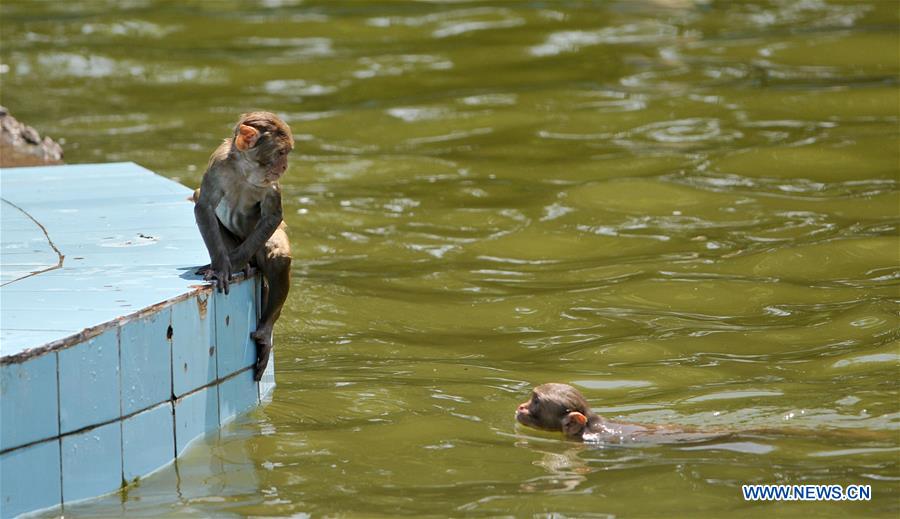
267,381
236,395
235,314
146,360
29,410
22,488
193,366
92,462
114,355
142,452
89,382
196,414
127,240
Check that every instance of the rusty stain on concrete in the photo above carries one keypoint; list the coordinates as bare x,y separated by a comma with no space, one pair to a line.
202,304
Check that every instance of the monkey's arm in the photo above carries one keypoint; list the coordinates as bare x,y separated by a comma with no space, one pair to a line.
271,216
211,194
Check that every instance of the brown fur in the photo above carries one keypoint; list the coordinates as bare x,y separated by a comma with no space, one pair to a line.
239,213
562,408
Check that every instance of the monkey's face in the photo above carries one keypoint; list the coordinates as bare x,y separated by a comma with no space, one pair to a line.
540,413
274,162
549,405
265,139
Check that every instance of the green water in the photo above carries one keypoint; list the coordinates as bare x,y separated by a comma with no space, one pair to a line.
689,210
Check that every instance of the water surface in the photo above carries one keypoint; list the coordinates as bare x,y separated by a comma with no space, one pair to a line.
687,209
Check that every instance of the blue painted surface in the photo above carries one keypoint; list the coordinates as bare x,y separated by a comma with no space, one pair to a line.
147,441
146,359
22,488
28,402
92,462
235,315
193,343
267,381
89,382
236,395
132,393
195,415
31,251
128,237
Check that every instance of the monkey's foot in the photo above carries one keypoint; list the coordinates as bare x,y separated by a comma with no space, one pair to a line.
263,340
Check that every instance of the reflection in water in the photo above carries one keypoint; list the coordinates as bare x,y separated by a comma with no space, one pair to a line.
213,476
687,208
565,471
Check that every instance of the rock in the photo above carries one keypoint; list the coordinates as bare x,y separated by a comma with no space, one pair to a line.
22,145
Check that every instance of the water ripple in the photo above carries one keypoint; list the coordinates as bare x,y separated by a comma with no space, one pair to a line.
573,41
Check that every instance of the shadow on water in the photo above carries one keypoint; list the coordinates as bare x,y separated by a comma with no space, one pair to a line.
686,208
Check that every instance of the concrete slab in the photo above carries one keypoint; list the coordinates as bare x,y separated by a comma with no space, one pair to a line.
114,354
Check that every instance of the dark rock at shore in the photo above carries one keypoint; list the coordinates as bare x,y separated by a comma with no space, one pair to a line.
22,145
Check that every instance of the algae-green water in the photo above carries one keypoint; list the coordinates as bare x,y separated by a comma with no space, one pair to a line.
687,209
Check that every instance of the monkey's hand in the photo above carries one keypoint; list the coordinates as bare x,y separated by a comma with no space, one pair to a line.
220,273
239,263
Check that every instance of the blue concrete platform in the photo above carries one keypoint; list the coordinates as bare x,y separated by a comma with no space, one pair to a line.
114,354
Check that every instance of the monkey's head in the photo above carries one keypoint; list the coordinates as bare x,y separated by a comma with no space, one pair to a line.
263,138
556,407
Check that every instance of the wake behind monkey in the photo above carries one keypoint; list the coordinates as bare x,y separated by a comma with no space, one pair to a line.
238,210
562,408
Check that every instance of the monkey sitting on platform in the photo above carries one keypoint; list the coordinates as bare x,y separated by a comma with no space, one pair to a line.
238,210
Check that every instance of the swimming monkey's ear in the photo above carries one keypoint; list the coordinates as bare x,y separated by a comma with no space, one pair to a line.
573,424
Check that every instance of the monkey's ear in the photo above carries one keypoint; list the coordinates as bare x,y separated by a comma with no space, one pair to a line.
246,138
573,423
